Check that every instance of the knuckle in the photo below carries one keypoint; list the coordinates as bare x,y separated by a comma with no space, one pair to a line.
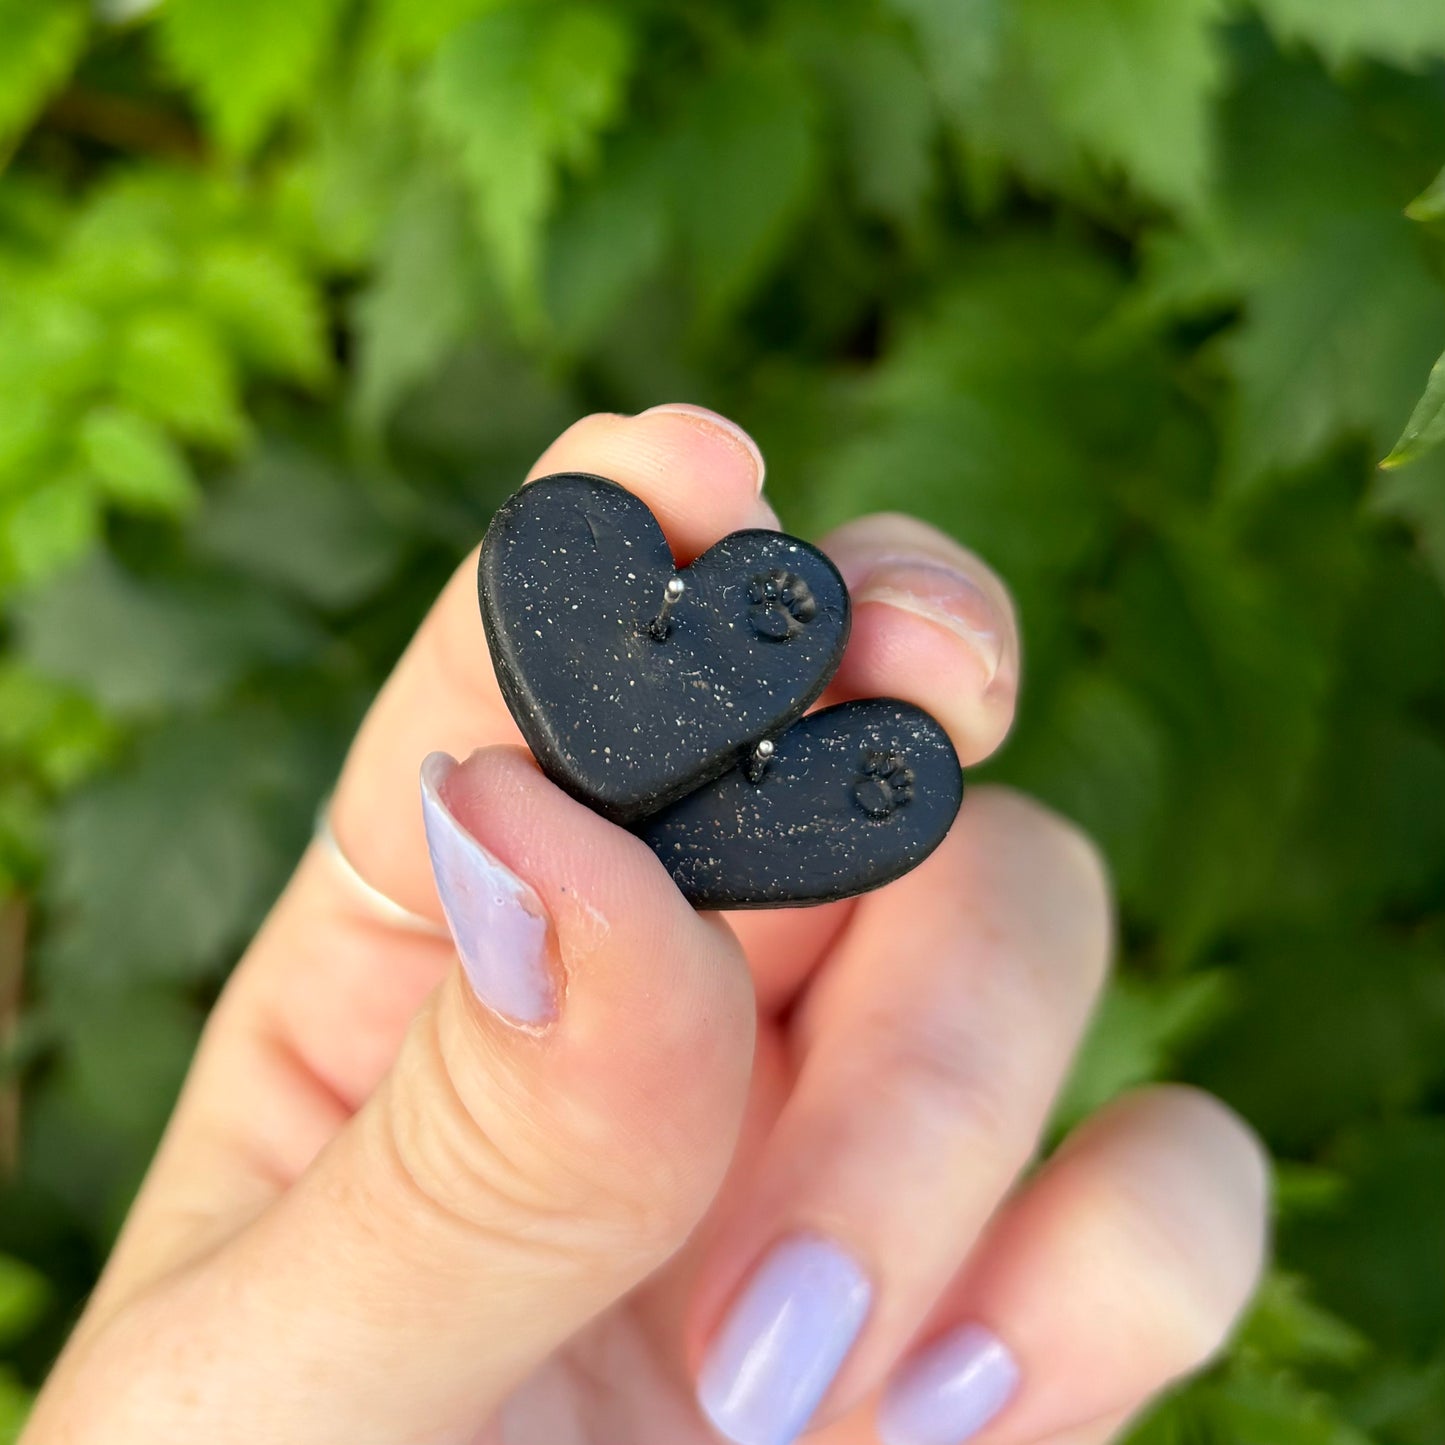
1066,866
934,1071
448,1150
1059,841
478,1151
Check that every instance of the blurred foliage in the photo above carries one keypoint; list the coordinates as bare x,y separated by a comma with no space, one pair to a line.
1129,294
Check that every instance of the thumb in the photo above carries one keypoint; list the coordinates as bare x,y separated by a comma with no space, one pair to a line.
505,1183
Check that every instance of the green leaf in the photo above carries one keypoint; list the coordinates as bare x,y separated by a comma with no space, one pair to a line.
1416,495
1384,1043
955,408
15,1404
1243,1408
144,646
1006,132
1401,32
31,427
24,1297
888,120
1235,664
194,812
959,42
47,527
424,298
127,1042
24,834
411,29
173,368
1304,1189
336,196
269,311
1098,754
247,64
1426,428
59,733
745,166
1132,81
1429,205
1401,1402
1285,1326
297,524
607,239
1306,244
138,465
43,40
1327,347
1135,1038
523,92
1382,771
1379,1263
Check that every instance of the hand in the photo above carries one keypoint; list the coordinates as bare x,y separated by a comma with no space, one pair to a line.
627,1156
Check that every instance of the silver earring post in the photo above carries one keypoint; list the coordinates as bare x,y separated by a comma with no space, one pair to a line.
659,627
758,760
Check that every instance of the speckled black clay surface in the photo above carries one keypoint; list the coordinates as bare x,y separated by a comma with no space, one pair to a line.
625,715
852,798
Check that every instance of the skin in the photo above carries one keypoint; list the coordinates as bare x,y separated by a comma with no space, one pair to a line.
383,1214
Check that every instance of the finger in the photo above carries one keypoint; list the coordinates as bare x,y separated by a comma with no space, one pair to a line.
858,1428
1122,1266
505,1183
933,625
930,1050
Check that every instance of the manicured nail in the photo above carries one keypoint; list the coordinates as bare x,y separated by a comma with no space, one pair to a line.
943,594
717,422
950,1390
497,921
783,1342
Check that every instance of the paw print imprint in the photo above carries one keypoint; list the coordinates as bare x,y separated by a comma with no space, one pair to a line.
780,604
885,784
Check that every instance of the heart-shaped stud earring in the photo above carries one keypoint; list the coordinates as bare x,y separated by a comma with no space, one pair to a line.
635,681
845,800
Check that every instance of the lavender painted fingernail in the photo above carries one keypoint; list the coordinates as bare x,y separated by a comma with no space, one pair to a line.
950,1390
783,1342
497,920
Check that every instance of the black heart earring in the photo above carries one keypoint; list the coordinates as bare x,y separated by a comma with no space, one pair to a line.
672,700
635,681
845,800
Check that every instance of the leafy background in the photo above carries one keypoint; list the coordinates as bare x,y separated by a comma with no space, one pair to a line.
1123,292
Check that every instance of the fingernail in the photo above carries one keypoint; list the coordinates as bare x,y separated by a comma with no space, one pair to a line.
783,1342
950,1390
497,921
943,594
768,517
714,420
